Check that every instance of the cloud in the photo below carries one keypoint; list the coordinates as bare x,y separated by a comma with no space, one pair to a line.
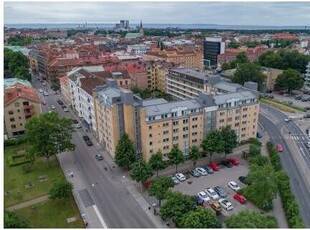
229,13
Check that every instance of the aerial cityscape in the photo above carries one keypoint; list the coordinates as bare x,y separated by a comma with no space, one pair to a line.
156,114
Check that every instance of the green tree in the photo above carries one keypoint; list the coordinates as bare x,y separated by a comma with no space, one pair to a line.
48,134
200,218
125,152
263,188
176,157
259,160
234,45
213,143
160,187
289,80
157,162
61,190
176,206
229,139
254,150
194,154
140,172
241,58
12,220
225,66
55,86
248,72
248,219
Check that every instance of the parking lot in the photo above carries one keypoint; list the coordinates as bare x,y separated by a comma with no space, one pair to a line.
291,98
193,185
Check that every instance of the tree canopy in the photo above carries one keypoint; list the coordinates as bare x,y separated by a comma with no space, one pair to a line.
141,171
156,162
160,187
200,218
289,80
19,41
250,219
12,220
176,157
285,59
229,139
213,143
177,205
16,65
125,152
248,72
48,134
61,190
194,154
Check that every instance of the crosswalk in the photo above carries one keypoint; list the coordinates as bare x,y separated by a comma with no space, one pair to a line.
302,138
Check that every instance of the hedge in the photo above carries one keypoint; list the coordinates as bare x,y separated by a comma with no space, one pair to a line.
290,206
15,141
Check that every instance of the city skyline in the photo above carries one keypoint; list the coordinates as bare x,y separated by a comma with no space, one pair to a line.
236,13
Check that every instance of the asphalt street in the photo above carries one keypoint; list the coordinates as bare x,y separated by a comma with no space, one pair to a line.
115,204
273,122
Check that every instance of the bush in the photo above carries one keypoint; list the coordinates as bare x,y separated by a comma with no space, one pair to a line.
254,141
15,141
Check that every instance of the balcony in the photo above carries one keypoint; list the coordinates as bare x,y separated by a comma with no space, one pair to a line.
28,107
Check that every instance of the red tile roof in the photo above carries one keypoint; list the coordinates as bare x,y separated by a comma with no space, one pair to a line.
20,91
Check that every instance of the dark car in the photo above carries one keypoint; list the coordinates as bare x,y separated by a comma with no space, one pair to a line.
75,121
227,163
244,180
220,191
99,157
208,169
60,102
307,115
298,97
89,143
307,108
194,173
86,138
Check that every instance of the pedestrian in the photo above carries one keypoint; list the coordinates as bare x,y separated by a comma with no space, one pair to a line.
86,224
150,208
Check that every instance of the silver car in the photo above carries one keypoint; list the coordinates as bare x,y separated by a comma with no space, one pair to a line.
202,171
180,176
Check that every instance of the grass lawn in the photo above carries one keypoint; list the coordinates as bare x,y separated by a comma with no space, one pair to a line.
15,179
279,106
52,214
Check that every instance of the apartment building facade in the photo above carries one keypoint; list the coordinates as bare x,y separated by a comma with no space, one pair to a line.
307,78
21,102
156,124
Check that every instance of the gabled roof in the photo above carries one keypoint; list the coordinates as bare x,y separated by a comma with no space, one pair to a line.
16,91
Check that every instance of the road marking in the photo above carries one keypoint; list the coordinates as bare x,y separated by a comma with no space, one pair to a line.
302,152
303,138
100,217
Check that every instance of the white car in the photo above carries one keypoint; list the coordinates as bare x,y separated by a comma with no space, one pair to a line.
175,180
66,110
203,196
53,107
41,90
45,93
234,186
78,126
44,83
180,176
202,171
226,204
288,119
212,194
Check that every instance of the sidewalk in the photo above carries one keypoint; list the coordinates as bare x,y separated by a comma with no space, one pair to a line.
28,203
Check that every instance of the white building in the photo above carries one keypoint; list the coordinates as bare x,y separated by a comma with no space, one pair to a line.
307,78
137,49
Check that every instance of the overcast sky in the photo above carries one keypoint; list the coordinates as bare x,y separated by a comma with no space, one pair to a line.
224,13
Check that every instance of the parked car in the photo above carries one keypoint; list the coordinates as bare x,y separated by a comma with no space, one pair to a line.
194,173
243,179
180,176
99,157
226,204
86,138
212,194
259,135
53,107
41,90
65,109
307,115
220,191
203,196
45,93
77,125
201,171
175,180
234,186
60,102
227,163
44,102
89,143
208,169
234,161
305,98
307,108
214,166
288,119
216,206
279,148
240,198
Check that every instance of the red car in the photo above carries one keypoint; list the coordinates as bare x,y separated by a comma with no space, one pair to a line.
240,198
234,161
279,148
214,166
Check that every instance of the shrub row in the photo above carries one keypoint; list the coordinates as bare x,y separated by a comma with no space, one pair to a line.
15,141
290,206
16,163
